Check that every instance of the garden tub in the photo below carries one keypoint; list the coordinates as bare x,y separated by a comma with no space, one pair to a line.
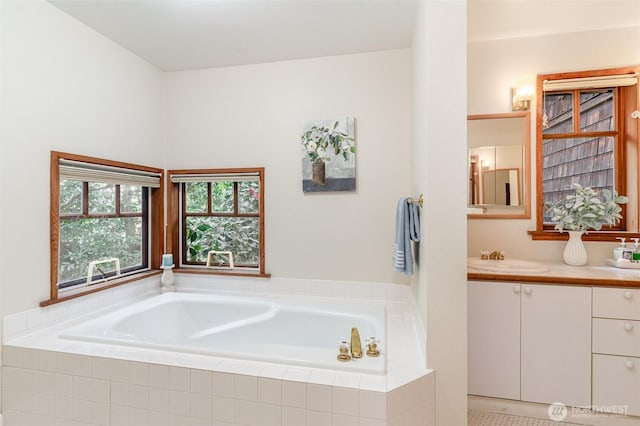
280,330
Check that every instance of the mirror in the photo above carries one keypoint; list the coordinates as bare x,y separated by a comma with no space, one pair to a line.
499,161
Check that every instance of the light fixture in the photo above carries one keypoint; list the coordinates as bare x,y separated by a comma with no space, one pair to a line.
521,98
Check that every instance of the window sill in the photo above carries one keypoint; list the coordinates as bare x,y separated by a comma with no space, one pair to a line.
71,294
606,236
229,273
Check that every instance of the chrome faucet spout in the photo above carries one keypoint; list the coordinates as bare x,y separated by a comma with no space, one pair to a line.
356,344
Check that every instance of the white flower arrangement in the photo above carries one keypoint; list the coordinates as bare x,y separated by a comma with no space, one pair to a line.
319,139
586,210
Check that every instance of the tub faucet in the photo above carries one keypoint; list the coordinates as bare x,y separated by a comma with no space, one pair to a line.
356,344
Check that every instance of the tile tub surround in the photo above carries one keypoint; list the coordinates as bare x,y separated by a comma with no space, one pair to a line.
46,381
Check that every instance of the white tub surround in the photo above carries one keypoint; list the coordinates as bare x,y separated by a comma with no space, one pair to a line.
48,379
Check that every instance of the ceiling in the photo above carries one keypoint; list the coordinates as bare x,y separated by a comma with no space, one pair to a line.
191,34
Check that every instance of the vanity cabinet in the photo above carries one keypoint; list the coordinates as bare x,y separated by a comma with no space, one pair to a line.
616,349
530,342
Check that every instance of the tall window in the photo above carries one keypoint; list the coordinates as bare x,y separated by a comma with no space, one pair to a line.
585,135
221,218
101,221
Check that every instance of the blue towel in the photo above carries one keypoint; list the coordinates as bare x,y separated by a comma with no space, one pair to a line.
407,230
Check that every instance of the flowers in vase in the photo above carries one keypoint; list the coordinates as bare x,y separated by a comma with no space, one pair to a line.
586,210
319,141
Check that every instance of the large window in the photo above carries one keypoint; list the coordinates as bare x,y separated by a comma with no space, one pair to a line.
585,135
220,219
101,221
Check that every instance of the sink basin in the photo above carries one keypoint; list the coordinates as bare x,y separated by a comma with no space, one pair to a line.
507,266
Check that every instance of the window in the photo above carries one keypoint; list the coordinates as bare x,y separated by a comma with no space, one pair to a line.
585,135
219,218
102,223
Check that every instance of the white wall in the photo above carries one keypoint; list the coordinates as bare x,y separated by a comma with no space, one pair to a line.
66,88
252,116
439,170
493,68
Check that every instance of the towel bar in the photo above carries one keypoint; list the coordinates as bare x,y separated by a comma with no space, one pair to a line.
419,200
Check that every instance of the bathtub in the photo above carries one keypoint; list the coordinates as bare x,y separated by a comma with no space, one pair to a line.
269,329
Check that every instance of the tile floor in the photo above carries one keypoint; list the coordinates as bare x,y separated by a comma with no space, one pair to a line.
503,412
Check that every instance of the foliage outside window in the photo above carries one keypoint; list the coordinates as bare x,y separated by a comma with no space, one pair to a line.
221,210
99,221
102,210
585,137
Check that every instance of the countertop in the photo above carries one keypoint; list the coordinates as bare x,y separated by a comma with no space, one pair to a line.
594,274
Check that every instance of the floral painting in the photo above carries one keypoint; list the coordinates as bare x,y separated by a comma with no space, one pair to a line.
329,155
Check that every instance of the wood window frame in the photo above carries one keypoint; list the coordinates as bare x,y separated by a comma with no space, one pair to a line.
628,130
156,227
175,199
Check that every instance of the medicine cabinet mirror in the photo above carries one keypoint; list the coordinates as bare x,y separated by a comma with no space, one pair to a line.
499,165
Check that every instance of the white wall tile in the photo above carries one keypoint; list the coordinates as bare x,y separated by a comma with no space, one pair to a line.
12,356
343,420
179,403
179,379
120,393
363,421
139,373
294,416
119,415
201,406
178,420
158,419
12,377
64,407
119,370
30,380
100,368
373,404
223,409
138,417
139,397
318,418
159,399
269,415
64,363
159,376
82,365
82,410
100,390
396,402
29,402
46,404
319,397
294,394
100,414
82,388
201,382
246,387
47,361
223,384
346,401
64,385
246,412
270,390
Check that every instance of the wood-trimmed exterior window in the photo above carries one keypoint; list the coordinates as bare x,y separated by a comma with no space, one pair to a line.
217,212
585,134
106,224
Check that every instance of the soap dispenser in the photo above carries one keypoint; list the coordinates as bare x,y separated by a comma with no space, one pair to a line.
618,252
636,250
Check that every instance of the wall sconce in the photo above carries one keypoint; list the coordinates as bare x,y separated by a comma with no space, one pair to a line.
521,98
485,164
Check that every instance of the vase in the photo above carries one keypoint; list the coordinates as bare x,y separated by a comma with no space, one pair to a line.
574,252
318,173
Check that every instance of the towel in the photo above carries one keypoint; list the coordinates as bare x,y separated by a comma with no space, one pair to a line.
407,230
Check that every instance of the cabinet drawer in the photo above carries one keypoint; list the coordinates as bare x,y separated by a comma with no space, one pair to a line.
620,303
616,337
616,383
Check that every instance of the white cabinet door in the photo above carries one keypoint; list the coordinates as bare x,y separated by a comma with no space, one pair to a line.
493,315
556,344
